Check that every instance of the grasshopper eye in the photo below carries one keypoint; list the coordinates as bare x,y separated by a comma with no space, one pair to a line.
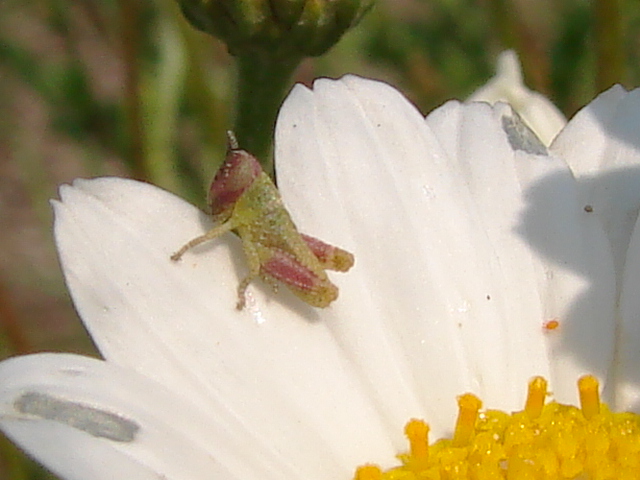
238,173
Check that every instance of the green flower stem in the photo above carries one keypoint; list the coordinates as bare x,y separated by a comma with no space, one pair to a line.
609,43
262,84
130,41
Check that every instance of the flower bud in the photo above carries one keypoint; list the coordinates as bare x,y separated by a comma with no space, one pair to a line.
281,28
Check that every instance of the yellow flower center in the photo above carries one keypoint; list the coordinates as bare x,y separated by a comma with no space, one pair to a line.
542,442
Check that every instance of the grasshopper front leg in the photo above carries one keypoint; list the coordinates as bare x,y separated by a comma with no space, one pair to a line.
215,232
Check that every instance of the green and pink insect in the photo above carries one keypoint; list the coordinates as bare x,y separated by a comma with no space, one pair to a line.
244,200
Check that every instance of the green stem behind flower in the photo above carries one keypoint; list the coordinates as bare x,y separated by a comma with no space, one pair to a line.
262,84
130,43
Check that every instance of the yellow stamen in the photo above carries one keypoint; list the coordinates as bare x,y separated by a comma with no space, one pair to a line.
468,407
589,396
543,442
536,397
418,434
368,472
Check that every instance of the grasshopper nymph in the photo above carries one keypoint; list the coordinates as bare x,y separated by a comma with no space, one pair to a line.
244,200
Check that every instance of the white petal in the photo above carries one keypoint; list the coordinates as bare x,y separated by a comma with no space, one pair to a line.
330,161
430,245
602,146
177,324
85,418
627,376
559,257
508,86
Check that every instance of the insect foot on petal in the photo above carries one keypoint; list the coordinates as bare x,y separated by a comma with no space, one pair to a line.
243,199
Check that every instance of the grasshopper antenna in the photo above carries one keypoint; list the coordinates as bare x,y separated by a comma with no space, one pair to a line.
232,141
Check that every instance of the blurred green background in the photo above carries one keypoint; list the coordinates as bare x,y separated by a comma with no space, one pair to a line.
129,88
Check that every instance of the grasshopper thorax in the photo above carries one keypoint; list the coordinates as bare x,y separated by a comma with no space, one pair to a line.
234,177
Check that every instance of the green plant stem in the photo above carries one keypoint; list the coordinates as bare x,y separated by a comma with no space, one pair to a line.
130,36
608,42
262,85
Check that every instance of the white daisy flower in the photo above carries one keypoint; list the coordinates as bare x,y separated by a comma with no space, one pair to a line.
483,259
541,115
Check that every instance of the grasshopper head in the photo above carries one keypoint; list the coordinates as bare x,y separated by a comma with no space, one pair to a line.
238,172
